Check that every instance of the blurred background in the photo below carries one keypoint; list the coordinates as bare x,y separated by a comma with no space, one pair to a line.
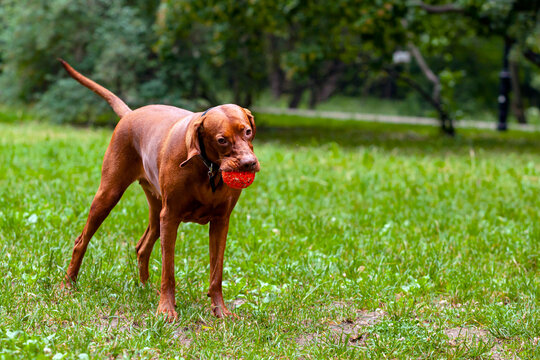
357,240
396,57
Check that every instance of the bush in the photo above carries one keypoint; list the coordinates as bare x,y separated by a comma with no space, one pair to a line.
66,101
109,42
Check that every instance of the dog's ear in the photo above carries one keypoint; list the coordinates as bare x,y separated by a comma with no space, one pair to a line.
192,139
251,120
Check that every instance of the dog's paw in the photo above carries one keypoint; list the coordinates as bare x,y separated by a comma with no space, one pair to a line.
167,309
143,275
66,286
143,269
223,312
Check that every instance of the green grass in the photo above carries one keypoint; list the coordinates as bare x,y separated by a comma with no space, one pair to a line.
355,241
12,114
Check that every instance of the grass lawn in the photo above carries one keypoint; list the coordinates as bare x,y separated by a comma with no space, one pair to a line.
355,241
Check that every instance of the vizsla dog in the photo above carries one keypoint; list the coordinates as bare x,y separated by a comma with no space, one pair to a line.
177,156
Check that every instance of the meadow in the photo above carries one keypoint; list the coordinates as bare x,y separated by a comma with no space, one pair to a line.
356,240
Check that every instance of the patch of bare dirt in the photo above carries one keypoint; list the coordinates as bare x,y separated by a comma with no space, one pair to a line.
306,339
351,326
460,334
472,335
180,335
351,329
118,321
354,328
121,323
236,303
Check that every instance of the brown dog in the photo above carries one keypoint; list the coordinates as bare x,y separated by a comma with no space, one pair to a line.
177,157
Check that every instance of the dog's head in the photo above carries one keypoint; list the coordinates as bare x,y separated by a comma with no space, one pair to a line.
225,133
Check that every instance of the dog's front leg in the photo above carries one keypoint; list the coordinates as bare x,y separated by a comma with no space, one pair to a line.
168,229
218,238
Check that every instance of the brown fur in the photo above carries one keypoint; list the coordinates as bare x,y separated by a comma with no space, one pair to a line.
158,145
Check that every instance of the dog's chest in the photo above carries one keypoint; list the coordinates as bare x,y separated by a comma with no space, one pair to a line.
198,213
205,206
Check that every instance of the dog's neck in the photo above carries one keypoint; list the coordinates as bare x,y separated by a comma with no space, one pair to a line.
213,168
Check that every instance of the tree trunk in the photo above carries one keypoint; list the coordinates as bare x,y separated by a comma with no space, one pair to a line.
236,93
532,56
248,99
447,123
517,101
367,87
276,78
296,97
504,88
330,84
313,97
276,82
429,74
387,88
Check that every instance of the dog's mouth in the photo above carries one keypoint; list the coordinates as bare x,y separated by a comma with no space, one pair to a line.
246,164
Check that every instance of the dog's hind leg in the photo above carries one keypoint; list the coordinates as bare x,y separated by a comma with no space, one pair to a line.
117,174
146,243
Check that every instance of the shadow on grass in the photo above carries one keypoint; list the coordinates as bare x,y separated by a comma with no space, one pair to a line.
299,131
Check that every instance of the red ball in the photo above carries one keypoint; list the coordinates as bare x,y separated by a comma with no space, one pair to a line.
238,180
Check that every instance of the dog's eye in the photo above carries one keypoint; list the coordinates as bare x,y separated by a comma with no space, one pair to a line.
222,141
248,132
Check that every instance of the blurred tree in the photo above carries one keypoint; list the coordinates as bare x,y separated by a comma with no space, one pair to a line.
213,46
517,22
197,54
108,41
312,43
296,45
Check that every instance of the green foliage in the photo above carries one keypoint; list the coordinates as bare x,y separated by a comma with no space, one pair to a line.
110,42
295,45
66,101
218,45
196,54
16,344
449,80
442,31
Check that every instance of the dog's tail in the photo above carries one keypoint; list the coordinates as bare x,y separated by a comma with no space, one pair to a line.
119,107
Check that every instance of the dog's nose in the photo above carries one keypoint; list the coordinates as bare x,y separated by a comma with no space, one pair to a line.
248,163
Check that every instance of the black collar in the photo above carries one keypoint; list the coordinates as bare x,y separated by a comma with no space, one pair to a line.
213,168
